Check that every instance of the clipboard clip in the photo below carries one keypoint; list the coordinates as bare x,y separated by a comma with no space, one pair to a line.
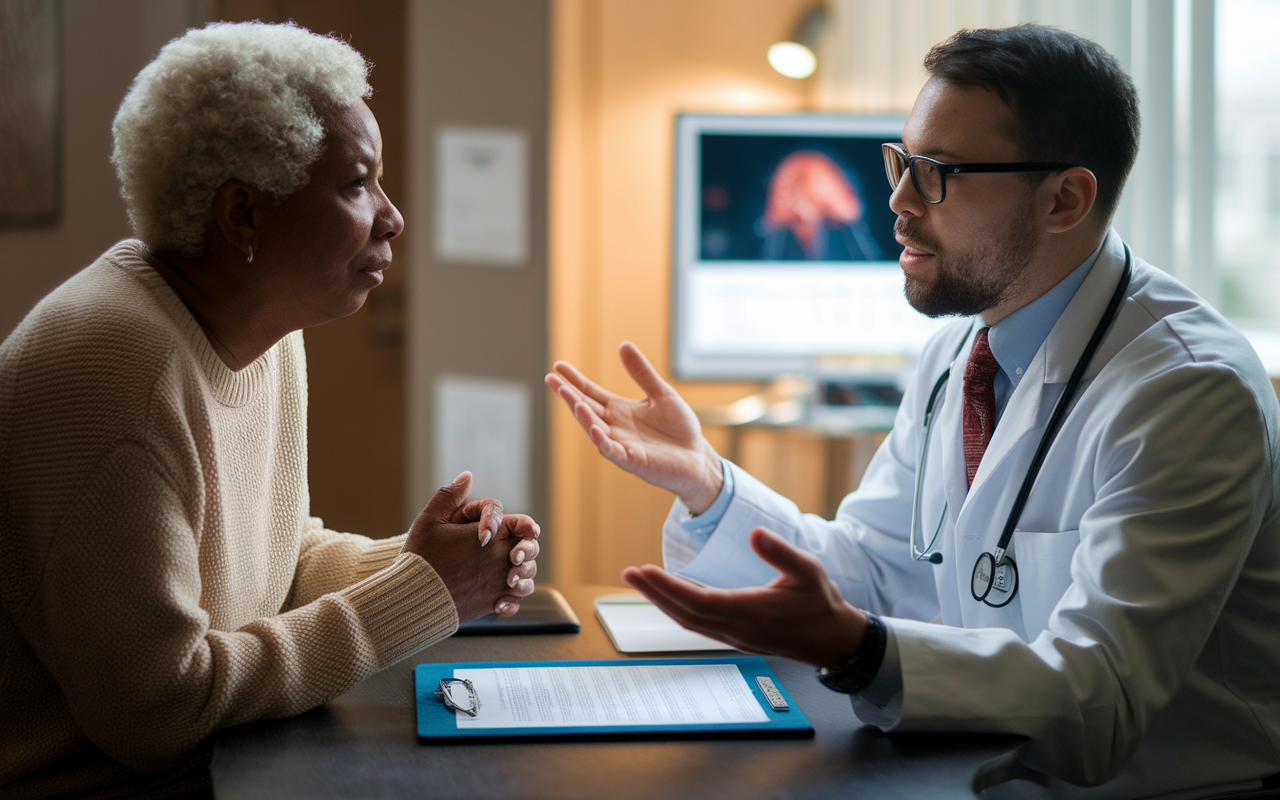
460,695
776,701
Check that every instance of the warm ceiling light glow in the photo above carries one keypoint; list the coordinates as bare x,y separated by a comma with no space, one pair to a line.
795,56
792,59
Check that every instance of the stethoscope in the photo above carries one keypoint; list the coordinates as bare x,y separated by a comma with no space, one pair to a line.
995,575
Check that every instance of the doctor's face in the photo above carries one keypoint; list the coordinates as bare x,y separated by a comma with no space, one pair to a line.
971,252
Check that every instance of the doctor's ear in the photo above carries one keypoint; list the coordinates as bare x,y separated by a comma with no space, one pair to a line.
1073,191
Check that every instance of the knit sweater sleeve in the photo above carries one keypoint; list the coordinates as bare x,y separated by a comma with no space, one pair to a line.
145,693
329,561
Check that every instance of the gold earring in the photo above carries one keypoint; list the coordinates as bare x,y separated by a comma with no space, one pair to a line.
250,259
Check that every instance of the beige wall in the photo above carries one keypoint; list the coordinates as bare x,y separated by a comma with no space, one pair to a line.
477,63
104,45
620,71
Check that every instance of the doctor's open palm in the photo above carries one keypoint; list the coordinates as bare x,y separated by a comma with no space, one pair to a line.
657,438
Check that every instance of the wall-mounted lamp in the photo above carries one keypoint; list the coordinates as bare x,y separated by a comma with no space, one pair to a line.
795,57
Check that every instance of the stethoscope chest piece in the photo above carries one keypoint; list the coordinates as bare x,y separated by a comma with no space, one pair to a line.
994,584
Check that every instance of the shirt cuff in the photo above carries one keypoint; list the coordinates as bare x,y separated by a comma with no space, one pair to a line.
703,525
881,702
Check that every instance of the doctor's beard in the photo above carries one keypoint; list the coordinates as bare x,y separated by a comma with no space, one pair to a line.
969,282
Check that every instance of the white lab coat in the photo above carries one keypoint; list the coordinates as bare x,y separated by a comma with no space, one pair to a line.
1142,651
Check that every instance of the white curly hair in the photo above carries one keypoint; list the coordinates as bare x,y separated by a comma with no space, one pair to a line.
230,100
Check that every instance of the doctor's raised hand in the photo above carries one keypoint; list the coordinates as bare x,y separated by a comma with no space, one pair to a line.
656,438
800,614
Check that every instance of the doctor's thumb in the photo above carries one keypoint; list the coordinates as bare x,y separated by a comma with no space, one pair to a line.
785,557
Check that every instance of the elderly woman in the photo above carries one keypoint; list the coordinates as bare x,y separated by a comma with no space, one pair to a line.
160,576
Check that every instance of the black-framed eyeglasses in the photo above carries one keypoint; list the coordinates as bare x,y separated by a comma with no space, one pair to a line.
929,175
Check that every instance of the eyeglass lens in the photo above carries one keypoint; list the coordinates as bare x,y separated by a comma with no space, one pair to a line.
894,165
925,175
460,696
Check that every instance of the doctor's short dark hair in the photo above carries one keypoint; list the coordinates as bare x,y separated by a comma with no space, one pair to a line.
1072,101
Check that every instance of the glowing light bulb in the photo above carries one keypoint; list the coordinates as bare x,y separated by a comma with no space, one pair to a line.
792,59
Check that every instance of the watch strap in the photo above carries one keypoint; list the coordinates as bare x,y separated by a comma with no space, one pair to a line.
856,672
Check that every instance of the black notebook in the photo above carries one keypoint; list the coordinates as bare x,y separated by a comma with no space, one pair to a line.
544,611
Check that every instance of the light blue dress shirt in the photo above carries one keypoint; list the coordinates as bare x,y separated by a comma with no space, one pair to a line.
1014,341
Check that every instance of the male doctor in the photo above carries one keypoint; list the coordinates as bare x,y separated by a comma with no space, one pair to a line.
1128,624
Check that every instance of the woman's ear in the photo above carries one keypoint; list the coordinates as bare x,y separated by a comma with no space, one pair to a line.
1074,192
235,212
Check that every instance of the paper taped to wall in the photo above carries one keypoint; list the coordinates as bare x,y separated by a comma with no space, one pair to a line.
482,196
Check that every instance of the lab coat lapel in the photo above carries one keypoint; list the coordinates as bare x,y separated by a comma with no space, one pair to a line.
1055,360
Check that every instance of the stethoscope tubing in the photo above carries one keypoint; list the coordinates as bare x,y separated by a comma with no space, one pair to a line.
1060,408
925,555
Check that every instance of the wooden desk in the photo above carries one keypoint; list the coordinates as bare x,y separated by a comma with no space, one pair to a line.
363,744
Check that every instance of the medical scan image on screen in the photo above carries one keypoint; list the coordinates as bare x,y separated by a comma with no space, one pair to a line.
784,256
793,198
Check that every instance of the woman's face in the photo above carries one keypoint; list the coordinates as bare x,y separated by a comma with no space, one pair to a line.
326,245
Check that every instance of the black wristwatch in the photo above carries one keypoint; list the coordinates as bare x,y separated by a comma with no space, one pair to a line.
856,672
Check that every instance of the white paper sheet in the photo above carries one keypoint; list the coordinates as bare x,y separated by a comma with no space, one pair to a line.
626,695
483,425
482,196
635,625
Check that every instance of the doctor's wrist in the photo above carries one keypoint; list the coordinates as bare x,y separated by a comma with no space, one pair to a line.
854,673
707,487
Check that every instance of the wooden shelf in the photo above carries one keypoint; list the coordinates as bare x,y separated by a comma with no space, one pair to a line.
813,467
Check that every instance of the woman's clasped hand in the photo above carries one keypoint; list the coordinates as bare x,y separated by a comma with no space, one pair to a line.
484,556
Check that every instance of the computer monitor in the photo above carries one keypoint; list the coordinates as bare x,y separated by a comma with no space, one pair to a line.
785,261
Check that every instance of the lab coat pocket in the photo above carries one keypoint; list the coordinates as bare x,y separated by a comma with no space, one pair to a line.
1044,573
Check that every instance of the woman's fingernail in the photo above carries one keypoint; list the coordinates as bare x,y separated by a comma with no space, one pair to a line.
519,557
504,608
513,580
485,537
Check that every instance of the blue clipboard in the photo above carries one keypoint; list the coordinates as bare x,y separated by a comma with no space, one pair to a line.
437,723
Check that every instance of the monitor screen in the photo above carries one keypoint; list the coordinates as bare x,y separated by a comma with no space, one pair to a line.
785,260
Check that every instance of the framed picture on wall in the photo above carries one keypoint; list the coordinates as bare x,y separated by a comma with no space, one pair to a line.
30,113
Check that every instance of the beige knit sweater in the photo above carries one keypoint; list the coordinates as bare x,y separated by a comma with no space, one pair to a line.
159,576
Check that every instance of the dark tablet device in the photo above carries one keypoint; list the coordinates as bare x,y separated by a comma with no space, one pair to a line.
544,611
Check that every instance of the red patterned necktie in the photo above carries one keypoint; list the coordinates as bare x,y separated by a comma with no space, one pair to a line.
979,402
